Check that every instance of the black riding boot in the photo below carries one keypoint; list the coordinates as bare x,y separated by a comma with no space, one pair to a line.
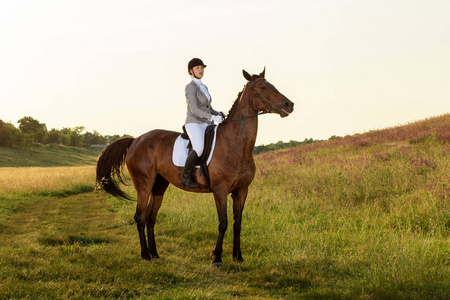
188,179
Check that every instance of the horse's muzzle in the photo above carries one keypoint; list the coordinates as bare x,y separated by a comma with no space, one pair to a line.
286,109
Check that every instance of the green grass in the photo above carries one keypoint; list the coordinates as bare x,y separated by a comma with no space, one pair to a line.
47,155
362,217
21,186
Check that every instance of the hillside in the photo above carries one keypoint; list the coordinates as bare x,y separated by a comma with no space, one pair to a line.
432,132
401,171
47,156
368,212
376,165
360,217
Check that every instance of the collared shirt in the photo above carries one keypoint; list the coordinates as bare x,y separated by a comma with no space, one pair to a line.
202,87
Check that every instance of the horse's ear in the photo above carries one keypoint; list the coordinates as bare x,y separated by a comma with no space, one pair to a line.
263,73
247,76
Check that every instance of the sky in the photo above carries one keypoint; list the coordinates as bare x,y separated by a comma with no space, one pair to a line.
120,67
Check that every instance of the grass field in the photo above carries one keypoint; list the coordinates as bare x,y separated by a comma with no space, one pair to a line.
47,156
360,217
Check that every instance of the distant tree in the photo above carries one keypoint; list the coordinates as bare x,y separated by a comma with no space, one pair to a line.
10,136
94,138
98,139
88,137
112,138
32,128
308,141
53,136
280,145
73,139
65,139
72,136
66,130
76,131
4,134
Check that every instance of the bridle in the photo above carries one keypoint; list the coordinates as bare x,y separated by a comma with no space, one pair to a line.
270,107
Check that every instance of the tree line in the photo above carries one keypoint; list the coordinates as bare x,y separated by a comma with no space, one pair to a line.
32,131
281,145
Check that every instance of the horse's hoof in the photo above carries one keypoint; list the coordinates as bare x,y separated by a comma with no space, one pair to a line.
217,264
147,258
239,260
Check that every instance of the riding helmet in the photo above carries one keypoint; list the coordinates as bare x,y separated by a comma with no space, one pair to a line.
195,62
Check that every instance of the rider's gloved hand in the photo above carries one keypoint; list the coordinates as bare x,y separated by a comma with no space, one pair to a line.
217,119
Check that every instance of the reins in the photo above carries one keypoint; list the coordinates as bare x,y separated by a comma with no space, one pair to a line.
270,107
247,117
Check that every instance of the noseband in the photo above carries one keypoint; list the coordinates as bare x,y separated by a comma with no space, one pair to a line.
270,108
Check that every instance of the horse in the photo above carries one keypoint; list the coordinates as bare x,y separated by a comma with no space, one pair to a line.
231,168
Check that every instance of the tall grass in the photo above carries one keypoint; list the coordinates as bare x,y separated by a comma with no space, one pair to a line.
39,180
18,186
374,208
365,216
359,217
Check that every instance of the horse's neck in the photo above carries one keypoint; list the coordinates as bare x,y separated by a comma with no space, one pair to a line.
241,134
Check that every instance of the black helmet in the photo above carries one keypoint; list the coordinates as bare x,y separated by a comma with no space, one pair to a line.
193,63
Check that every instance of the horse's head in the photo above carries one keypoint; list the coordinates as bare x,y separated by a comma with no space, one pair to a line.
268,98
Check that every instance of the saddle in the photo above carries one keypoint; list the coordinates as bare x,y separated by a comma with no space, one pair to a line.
208,148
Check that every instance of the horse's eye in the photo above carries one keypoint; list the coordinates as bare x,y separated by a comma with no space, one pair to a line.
263,87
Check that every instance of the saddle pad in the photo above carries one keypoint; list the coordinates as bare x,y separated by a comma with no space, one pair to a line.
180,150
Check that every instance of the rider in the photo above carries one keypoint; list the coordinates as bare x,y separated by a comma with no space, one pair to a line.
200,114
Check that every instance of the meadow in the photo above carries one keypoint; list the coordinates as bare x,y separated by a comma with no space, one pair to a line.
365,216
51,155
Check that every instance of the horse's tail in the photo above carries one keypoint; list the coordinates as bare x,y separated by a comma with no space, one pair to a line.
109,166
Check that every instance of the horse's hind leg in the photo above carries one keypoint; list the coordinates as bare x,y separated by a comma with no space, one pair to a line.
143,192
158,191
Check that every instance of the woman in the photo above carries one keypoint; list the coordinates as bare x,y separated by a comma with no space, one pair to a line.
200,114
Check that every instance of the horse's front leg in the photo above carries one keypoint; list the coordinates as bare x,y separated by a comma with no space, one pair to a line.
239,197
221,205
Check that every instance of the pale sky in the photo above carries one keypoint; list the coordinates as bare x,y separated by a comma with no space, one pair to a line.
120,67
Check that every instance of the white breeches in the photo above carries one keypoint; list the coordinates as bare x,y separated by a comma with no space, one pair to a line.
196,134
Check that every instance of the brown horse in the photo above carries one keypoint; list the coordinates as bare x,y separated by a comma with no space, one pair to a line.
231,169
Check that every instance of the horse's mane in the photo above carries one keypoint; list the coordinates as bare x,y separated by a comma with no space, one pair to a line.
235,104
